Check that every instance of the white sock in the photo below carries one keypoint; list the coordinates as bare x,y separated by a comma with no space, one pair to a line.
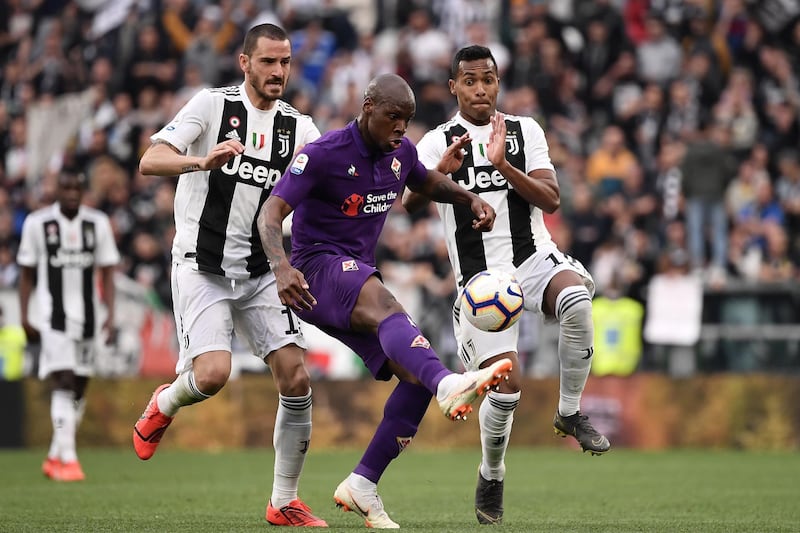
62,413
496,415
291,440
575,346
80,409
183,391
360,483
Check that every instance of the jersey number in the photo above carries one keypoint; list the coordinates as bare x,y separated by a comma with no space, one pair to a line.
569,259
293,330
556,262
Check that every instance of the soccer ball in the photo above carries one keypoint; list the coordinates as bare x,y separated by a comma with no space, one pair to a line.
492,300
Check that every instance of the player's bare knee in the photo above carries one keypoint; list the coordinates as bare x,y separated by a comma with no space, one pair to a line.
295,382
63,380
509,386
514,382
210,379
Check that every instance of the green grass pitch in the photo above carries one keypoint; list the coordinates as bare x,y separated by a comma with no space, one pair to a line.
547,490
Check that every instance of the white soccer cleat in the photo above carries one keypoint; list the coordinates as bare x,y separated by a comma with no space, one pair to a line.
457,391
366,504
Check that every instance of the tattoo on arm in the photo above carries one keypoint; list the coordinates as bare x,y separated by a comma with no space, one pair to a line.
190,168
272,240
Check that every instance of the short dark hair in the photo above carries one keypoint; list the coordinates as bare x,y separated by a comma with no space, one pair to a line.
70,173
270,31
470,53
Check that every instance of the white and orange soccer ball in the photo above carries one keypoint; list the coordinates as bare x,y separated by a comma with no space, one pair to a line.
492,300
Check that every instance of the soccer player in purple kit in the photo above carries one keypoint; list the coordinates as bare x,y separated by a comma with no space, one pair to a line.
341,188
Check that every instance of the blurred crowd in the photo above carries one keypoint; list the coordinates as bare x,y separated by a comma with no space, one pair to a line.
673,125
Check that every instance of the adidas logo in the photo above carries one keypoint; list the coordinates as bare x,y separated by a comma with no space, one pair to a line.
233,134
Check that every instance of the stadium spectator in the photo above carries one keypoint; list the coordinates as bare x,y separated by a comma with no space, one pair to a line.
512,149
788,193
340,189
220,277
658,57
758,105
607,166
707,169
64,248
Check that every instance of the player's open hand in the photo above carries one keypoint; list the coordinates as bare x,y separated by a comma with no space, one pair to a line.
222,153
31,333
453,157
293,290
484,214
496,152
109,332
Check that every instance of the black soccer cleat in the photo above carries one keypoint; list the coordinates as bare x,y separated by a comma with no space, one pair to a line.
578,426
489,501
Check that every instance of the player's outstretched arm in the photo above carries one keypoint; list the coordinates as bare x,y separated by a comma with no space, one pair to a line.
414,201
163,159
440,188
451,160
292,286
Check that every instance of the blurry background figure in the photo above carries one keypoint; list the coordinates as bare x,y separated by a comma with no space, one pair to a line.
12,369
617,332
68,255
707,168
674,312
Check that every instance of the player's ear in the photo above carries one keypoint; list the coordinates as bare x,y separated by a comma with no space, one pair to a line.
244,62
452,84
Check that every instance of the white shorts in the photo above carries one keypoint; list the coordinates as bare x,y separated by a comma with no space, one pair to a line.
209,308
59,352
476,346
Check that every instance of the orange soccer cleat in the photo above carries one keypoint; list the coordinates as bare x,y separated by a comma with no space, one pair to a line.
71,471
296,514
49,467
150,427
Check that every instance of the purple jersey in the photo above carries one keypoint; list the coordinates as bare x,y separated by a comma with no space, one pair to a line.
341,192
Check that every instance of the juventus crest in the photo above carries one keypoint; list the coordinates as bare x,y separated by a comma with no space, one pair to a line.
284,149
513,143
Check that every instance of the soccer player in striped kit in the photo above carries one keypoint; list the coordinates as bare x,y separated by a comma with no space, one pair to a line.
505,160
63,247
230,146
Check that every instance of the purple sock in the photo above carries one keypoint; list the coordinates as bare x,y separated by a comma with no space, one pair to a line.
402,414
404,344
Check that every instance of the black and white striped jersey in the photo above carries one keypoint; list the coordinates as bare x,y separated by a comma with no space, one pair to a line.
216,211
519,226
65,253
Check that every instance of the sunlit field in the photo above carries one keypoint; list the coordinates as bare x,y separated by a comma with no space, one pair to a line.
546,490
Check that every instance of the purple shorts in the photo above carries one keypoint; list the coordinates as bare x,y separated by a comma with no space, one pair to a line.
336,281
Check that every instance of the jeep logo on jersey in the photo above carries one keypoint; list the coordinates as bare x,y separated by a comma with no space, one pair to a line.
251,171
72,259
482,179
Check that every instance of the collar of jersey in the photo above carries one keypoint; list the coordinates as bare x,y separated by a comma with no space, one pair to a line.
362,147
250,107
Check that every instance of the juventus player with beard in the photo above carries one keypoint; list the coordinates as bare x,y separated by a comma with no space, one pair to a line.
505,160
230,146
62,247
